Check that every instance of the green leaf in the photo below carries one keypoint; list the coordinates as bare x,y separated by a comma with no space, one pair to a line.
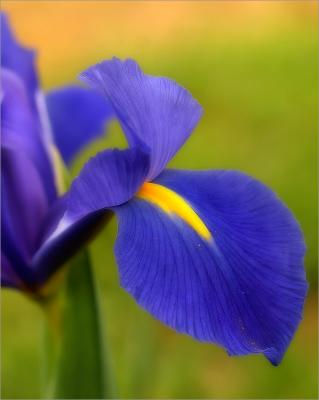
76,364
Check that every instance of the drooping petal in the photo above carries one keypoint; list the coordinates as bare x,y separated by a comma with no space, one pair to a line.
18,59
20,128
111,178
24,206
66,243
77,116
215,255
153,110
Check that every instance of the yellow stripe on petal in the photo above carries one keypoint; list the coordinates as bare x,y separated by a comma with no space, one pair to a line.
172,203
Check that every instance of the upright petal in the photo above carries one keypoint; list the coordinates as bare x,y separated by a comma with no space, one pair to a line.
215,255
24,206
77,116
18,59
153,110
20,128
110,178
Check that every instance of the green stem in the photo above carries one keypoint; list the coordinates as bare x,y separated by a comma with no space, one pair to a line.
76,365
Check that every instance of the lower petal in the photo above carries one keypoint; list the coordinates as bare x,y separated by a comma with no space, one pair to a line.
242,287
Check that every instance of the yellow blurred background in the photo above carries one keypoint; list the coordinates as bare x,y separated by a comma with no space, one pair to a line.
253,66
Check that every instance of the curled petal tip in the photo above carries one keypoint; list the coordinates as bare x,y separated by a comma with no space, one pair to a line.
152,110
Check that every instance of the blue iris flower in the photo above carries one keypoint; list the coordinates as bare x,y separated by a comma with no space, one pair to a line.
33,127
213,254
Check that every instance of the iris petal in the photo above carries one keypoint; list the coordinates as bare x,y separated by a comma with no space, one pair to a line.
153,110
78,116
24,207
24,198
20,129
110,178
18,59
244,289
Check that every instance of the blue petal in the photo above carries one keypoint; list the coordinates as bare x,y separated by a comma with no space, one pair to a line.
110,178
9,278
18,59
243,289
20,129
153,110
78,116
24,207
57,250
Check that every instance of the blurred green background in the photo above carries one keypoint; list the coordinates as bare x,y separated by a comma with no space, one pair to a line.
253,67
